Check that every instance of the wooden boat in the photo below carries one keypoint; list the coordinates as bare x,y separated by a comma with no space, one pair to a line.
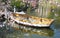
28,20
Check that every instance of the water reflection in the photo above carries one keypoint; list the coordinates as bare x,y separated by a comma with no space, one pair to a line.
25,31
41,31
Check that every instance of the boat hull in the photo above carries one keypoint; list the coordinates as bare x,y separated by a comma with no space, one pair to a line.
29,24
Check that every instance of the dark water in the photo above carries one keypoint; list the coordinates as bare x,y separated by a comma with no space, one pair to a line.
31,32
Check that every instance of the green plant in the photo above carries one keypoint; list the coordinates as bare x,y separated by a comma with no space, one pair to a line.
19,5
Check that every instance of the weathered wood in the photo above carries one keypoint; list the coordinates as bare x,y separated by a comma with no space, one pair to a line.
31,20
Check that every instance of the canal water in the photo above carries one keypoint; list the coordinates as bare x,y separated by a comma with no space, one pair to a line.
31,32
